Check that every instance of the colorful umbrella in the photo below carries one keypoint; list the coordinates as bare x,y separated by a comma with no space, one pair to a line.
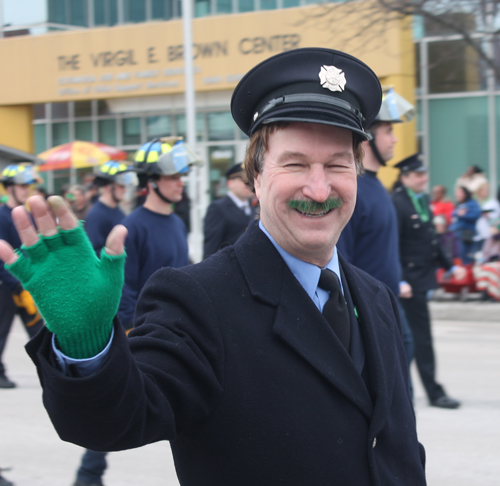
79,154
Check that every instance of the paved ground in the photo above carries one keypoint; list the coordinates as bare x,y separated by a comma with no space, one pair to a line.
463,446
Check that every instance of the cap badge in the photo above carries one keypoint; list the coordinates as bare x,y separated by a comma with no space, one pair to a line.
255,115
332,78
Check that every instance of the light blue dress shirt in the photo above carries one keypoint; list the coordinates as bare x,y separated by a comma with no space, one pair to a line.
306,273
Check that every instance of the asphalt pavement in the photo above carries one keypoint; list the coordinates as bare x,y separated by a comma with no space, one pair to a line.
463,446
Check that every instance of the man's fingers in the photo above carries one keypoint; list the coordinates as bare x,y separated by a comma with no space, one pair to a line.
24,226
116,240
44,220
7,254
67,220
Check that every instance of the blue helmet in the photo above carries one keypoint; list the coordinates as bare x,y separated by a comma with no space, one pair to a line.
165,156
22,173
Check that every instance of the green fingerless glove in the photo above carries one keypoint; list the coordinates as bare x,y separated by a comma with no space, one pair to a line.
77,294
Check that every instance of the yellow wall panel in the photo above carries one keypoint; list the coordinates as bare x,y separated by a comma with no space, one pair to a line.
16,129
146,59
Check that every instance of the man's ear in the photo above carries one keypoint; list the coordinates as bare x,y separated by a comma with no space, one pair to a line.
256,184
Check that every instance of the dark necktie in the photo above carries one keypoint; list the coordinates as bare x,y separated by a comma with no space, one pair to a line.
335,309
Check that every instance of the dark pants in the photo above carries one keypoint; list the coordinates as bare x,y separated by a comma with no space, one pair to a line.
417,313
92,467
8,310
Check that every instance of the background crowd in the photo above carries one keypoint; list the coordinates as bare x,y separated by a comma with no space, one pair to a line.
469,229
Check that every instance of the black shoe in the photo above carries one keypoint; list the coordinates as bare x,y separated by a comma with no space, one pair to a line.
445,402
6,383
83,483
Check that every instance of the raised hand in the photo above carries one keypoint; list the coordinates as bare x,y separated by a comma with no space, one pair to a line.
76,293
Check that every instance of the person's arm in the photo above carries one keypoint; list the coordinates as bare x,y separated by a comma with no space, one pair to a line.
165,378
473,212
213,230
131,286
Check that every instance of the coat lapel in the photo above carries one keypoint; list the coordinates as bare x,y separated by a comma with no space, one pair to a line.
298,322
376,323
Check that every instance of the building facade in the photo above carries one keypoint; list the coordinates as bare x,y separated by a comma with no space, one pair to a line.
113,71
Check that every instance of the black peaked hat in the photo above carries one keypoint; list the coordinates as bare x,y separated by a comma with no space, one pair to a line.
312,85
234,171
413,163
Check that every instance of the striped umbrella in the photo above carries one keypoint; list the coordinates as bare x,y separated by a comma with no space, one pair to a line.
79,155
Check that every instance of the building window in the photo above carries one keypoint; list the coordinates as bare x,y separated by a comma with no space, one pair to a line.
180,123
60,110
83,130
107,131
134,10
220,126
268,4
40,136
454,66
105,12
83,108
102,107
458,132
39,111
131,131
78,13
224,6
57,11
68,12
162,9
246,6
201,8
60,133
158,126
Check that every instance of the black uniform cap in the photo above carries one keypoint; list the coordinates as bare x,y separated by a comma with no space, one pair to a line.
413,163
235,171
312,85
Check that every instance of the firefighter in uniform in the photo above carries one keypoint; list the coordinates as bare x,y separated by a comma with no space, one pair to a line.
16,179
157,237
420,255
370,239
113,177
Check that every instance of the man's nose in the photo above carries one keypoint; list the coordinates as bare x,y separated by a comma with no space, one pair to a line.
317,186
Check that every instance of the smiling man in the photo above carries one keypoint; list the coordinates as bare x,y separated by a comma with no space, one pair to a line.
272,362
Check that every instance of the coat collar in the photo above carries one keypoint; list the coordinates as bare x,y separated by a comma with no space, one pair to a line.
298,321
301,326
378,337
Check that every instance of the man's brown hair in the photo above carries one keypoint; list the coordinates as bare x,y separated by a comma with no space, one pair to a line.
259,141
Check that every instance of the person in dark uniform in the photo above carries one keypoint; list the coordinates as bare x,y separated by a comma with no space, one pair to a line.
157,237
420,255
227,218
14,299
112,178
370,239
272,362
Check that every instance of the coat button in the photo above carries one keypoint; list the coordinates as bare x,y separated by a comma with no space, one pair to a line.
374,443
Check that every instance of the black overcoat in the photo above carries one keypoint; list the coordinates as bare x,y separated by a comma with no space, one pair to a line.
233,363
224,223
419,248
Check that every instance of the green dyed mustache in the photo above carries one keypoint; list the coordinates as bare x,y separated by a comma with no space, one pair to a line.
313,206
